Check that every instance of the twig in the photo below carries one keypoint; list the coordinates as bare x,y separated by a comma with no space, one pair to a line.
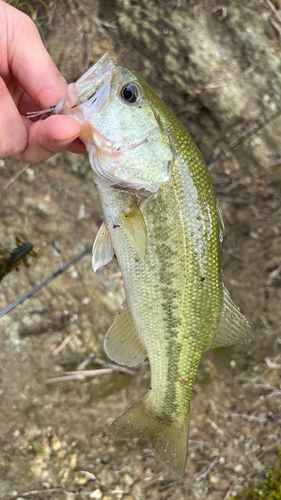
64,342
277,392
215,86
217,428
223,12
276,25
249,418
251,68
216,411
267,370
270,4
271,365
231,186
89,475
274,275
235,201
205,474
231,486
79,375
13,179
237,256
82,374
265,385
52,490
274,445
86,362
98,23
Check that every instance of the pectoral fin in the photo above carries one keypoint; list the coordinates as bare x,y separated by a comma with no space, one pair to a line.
122,343
102,248
233,327
136,230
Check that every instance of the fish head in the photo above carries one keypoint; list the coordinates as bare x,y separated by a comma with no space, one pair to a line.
121,125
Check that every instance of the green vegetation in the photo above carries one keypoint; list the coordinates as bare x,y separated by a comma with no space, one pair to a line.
269,490
30,8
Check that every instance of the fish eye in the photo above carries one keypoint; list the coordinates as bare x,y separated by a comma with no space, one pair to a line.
130,93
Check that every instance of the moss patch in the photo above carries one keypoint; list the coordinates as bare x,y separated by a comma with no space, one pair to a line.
269,490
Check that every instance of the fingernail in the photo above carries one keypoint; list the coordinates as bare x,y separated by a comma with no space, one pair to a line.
62,144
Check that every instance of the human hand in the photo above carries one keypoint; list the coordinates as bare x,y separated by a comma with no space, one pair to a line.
29,81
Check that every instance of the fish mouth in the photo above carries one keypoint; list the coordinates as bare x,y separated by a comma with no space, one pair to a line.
84,99
87,87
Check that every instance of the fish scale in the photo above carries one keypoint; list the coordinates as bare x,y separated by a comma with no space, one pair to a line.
164,224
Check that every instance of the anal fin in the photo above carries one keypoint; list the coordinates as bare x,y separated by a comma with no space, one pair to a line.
233,327
122,343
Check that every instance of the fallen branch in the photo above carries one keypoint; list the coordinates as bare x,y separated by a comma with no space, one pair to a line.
82,374
64,343
205,474
271,365
230,489
79,375
217,428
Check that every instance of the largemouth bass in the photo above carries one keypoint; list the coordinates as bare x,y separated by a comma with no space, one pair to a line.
164,224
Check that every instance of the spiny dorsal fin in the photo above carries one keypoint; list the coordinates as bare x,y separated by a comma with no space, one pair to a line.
233,327
122,343
102,248
136,230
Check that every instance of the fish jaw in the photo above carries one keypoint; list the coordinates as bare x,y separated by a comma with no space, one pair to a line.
87,85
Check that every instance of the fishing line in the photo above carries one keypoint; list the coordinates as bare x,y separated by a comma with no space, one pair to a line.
44,283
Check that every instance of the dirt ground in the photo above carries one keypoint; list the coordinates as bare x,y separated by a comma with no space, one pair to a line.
218,66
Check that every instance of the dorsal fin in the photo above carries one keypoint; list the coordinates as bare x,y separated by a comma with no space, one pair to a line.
136,230
122,343
233,327
102,248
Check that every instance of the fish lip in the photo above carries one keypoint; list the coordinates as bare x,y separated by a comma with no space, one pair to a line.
88,84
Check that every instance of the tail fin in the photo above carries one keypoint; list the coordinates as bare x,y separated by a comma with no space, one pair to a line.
169,439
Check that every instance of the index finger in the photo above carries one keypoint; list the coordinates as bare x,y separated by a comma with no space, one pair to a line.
29,61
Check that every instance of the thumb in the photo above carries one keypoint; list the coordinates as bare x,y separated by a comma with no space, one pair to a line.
48,137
